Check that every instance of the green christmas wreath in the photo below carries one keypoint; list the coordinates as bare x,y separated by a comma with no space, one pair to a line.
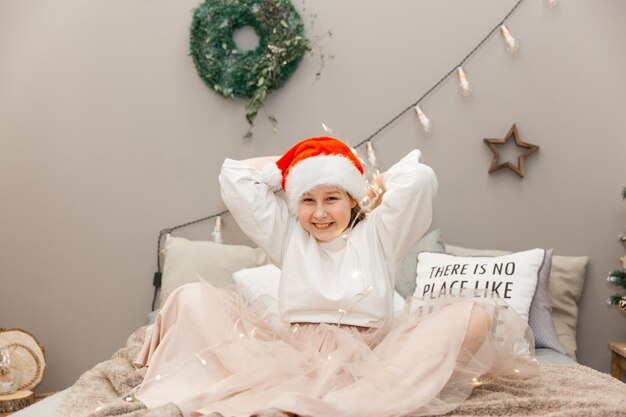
234,72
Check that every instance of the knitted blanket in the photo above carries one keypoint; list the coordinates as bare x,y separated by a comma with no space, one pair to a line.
558,391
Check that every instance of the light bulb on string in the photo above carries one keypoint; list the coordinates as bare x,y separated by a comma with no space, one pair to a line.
163,250
371,169
427,126
217,231
464,86
331,132
202,360
371,155
512,44
327,129
356,153
551,3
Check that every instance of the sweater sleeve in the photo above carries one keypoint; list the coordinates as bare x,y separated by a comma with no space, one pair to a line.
406,210
261,214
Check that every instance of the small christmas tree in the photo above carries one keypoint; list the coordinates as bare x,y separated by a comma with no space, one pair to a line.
618,278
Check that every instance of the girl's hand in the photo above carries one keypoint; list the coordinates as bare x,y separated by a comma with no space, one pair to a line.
376,191
260,162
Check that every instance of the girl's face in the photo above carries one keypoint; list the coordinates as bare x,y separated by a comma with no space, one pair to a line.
325,212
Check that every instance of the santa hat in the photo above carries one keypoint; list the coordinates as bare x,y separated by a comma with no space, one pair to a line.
312,162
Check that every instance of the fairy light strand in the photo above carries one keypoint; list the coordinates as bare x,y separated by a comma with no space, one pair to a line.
438,83
358,145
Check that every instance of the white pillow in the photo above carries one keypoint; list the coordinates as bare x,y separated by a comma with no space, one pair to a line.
264,280
513,276
259,281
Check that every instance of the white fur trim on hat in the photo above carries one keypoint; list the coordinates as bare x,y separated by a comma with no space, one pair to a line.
324,170
272,176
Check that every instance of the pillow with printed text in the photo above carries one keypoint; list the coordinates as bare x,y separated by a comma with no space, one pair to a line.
513,277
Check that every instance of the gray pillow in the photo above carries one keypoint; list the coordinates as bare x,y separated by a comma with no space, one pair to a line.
407,270
540,316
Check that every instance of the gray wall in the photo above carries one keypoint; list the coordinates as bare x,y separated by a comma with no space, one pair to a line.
108,135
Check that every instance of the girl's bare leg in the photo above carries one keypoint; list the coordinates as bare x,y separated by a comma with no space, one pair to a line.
478,327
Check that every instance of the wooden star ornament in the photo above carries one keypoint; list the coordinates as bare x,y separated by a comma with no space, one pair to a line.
493,143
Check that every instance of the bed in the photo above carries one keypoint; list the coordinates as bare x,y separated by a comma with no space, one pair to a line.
99,392
562,388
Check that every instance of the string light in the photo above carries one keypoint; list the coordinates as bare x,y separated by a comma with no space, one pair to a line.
371,155
512,44
217,231
427,126
464,85
551,3
356,153
371,171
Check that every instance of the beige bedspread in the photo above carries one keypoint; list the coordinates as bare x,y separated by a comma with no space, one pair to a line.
559,390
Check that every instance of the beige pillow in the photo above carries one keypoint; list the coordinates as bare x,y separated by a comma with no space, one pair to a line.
188,261
567,277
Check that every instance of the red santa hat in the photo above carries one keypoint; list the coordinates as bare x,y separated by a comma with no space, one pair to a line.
312,162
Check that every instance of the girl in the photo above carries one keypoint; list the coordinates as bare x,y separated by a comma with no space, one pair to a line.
336,348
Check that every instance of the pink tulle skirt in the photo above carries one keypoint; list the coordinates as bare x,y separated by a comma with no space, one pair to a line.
211,351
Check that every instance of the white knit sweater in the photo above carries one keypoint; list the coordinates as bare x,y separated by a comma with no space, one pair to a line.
347,281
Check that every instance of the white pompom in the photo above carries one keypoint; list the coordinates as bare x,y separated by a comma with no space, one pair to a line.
272,176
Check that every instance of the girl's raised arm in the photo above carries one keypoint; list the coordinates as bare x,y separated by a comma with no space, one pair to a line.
405,211
263,216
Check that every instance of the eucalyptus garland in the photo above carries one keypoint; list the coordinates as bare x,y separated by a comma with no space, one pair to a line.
235,72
